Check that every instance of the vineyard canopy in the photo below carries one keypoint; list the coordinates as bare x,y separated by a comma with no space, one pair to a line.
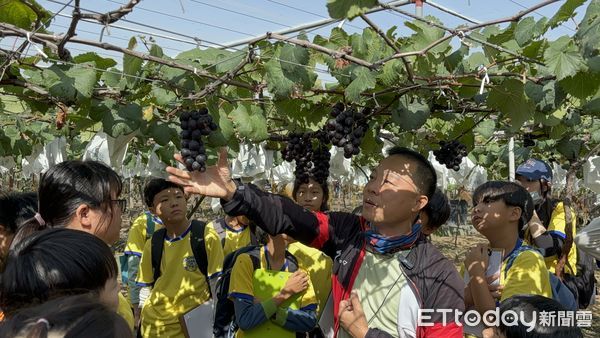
424,87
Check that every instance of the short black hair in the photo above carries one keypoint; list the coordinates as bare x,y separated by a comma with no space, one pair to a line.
154,187
16,209
55,262
437,209
513,194
529,307
67,316
425,177
324,206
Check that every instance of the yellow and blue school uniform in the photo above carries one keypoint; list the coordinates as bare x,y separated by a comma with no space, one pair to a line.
181,286
137,236
242,285
231,239
319,267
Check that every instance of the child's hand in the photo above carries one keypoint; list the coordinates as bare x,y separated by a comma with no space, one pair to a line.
476,260
214,182
495,288
296,283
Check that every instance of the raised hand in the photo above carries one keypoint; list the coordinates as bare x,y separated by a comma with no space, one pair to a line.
214,182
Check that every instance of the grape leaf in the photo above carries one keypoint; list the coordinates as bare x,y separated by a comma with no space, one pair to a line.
509,98
563,59
340,9
363,79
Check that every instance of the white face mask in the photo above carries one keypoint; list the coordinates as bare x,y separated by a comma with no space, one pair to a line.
536,197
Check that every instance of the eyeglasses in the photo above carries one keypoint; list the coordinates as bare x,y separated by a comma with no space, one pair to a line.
122,203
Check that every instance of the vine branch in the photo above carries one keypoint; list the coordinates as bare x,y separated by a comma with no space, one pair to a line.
49,41
407,65
330,52
112,16
70,32
211,87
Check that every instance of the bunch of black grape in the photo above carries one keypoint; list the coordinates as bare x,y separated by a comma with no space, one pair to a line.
298,147
450,154
347,128
194,126
320,158
528,140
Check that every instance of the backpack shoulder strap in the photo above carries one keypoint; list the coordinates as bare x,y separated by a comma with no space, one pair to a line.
199,246
292,262
157,246
149,225
254,254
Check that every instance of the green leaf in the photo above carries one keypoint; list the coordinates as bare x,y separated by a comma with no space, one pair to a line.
509,98
340,9
16,13
391,73
162,96
525,31
582,84
131,64
259,126
84,79
563,59
293,59
452,61
241,120
277,83
486,128
225,125
592,107
565,12
589,29
112,78
570,148
162,133
155,50
99,62
551,120
227,62
125,120
411,116
547,97
363,79
426,34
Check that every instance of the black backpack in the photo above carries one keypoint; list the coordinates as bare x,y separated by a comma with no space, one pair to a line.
224,325
583,285
198,248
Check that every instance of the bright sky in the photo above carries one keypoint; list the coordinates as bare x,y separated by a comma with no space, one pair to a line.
225,21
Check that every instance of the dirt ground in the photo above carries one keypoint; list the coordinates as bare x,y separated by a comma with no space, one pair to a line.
456,248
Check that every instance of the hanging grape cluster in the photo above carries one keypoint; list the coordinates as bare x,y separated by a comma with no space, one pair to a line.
299,149
310,151
194,126
450,154
321,157
347,128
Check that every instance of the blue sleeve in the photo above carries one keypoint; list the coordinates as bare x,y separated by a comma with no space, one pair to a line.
247,314
133,264
303,320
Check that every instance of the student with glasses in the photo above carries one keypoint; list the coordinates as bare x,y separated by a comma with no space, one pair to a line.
81,195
